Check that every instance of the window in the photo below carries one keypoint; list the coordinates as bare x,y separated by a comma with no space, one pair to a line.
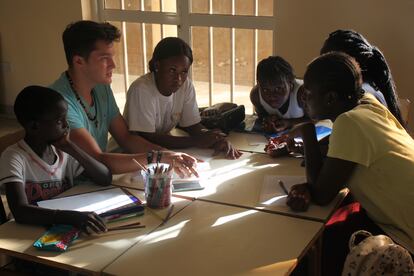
228,38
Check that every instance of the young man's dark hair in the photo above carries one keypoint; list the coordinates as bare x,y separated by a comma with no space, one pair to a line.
79,38
33,102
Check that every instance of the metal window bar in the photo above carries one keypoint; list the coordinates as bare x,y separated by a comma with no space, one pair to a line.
184,20
143,42
255,43
233,56
211,57
125,48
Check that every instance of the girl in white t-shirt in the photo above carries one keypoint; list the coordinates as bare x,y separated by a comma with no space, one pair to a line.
164,98
277,96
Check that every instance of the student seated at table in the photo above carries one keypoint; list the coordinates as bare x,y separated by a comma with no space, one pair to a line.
45,162
93,112
370,152
165,97
376,74
277,96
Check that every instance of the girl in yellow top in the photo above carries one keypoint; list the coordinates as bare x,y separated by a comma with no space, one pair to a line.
369,150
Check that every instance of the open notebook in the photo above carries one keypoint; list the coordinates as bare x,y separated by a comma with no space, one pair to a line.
99,202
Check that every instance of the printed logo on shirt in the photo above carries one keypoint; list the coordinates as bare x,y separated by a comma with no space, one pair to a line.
37,191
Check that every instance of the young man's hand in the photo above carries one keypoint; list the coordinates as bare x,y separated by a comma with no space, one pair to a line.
184,164
299,197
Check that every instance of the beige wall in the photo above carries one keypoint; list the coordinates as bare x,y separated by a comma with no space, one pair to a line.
303,26
30,43
30,39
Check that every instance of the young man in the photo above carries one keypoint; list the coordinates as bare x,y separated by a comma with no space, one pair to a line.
89,49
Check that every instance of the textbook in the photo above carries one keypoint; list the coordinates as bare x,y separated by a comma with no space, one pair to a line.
100,202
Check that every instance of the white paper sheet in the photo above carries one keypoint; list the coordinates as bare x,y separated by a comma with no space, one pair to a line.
272,193
99,201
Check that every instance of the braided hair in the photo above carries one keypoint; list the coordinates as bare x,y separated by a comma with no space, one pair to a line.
374,67
274,67
336,71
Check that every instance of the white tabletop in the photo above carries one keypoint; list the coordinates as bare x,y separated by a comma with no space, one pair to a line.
214,239
88,254
251,182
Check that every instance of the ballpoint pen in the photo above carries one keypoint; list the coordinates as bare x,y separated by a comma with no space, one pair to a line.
167,217
282,185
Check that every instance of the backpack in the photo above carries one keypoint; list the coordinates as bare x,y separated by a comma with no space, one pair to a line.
224,116
376,255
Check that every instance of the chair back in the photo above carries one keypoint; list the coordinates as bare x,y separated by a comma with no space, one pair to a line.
3,216
405,105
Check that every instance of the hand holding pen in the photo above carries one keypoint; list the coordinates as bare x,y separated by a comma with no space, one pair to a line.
299,197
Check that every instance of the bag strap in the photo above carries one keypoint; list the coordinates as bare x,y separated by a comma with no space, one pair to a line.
351,243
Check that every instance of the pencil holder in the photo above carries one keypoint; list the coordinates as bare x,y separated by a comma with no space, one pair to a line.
158,185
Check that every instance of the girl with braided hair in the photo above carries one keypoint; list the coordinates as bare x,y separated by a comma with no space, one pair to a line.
376,73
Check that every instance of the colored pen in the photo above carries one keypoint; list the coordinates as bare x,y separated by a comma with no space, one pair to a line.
282,185
167,217
126,227
123,217
122,211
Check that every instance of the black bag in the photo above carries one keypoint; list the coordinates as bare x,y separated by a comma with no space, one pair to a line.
225,116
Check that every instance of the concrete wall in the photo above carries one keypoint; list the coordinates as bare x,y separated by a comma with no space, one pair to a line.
31,51
304,25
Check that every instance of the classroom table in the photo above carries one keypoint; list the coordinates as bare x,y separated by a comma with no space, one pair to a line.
238,224
88,254
214,239
250,181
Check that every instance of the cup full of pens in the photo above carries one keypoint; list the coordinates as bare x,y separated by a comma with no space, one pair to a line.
158,185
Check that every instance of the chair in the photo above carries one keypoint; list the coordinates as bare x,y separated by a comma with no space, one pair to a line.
404,105
3,216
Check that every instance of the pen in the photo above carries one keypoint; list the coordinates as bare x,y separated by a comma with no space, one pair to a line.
167,217
126,227
123,211
123,217
282,185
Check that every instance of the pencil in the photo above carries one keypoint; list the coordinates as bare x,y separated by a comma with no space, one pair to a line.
282,185
139,164
167,217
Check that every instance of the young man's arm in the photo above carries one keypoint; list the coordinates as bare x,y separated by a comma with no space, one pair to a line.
123,163
129,142
97,171
23,212
116,162
199,136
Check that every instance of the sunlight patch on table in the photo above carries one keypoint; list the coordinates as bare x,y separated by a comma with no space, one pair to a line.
225,219
167,233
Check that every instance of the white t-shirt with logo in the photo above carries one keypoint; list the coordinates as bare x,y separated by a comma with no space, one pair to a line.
19,163
147,110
